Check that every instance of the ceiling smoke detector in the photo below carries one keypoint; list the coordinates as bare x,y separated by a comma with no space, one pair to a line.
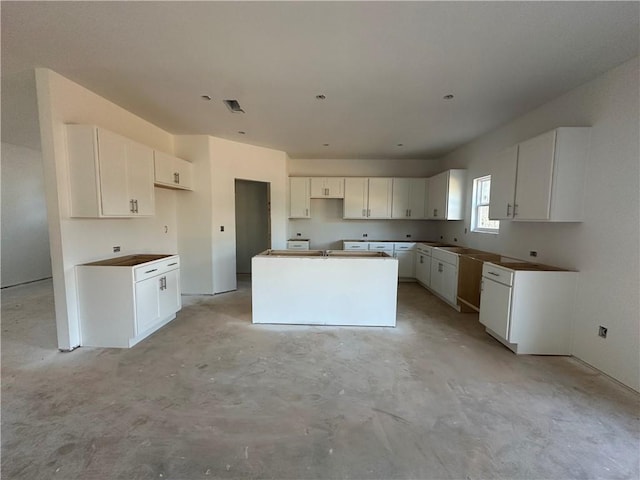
320,97
234,106
448,97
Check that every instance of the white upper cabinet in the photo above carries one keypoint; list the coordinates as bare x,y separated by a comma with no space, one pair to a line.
379,198
367,197
503,184
356,197
548,184
172,172
409,198
327,187
299,197
109,175
445,195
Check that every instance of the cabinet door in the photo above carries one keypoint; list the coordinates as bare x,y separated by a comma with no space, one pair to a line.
437,276
437,203
535,173
503,184
147,303
169,299
356,191
495,307
164,168
450,283
417,198
379,198
335,187
406,264
299,201
318,187
112,154
400,198
185,174
140,178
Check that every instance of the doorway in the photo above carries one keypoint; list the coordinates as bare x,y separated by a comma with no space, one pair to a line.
253,222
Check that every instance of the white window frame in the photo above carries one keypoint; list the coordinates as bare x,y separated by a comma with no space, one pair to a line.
476,203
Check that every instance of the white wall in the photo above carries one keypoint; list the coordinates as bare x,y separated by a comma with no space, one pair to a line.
605,247
74,241
326,228
231,160
25,237
195,222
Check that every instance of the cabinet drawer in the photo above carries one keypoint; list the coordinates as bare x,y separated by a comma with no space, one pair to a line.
356,245
501,275
156,268
424,249
381,246
445,256
404,246
298,245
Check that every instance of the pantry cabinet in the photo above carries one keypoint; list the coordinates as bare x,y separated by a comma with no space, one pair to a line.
172,172
327,187
542,178
109,175
409,198
367,198
445,195
299,197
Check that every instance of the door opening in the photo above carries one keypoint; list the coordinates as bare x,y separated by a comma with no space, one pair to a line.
253,222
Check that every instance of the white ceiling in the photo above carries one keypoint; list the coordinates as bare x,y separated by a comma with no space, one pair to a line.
383,66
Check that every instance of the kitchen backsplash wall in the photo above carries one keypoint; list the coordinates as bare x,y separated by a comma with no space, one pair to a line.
326,227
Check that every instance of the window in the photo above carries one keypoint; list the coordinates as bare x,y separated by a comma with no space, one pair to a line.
480,207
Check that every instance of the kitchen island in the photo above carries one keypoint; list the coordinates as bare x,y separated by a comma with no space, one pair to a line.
332,287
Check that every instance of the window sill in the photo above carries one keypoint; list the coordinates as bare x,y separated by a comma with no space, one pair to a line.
490,232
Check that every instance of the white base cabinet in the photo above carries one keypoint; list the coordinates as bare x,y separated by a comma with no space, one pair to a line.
120,305
528,311
444,276
423,265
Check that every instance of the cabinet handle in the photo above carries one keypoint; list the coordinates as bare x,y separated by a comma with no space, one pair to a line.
440,269
368,212
152,270
494,274
421,259
136,206
515,209
176,177
409,212
508,209
435,212
364,212
131,209
406,212
172,264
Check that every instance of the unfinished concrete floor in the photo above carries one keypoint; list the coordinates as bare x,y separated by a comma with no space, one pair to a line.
213,396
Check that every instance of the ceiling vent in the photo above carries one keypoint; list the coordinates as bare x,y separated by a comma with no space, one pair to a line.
234,106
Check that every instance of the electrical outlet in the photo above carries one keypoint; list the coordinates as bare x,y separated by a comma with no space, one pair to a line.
455,239
602,331
222,228
365,235
408,235
441,237
298,234
116,249
533,253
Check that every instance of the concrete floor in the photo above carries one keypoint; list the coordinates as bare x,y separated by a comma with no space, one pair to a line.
213,396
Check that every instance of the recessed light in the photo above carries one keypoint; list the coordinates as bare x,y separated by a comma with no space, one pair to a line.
241,132
320,97
448,97
205,97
